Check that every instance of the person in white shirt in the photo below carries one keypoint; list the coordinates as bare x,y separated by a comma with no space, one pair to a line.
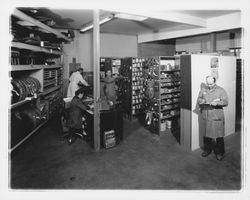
75,80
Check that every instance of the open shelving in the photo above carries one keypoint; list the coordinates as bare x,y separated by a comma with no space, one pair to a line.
163,86
36,70
169,92
133,85
21,45
22,16
33,67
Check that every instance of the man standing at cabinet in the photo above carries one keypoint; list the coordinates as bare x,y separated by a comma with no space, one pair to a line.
76,80
212,99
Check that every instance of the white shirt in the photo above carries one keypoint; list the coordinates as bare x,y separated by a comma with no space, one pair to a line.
74,79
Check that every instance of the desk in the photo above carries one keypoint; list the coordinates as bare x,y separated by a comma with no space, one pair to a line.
109,120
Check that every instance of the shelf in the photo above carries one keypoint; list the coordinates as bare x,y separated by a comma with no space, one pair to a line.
51,90
25,67
39,24
163,118
136,104
165,86
33,67
29,99
49,53
138,80
175,70
175,108
170,103
26,137
56,66
12,106
169,92
170,81
21,45
169,97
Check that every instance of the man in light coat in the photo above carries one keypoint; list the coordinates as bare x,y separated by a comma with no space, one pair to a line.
212,99
75,79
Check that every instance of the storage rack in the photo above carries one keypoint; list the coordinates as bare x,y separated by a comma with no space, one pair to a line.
110,63
126,86
169,92
239,91
137,85
151,102
113,64
162,94
105,65
41,60
133,81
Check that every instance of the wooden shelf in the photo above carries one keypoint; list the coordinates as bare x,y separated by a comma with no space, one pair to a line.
36,71
25,138
50,90
25,67
29,99
21,103
52,66
17,13
21,45
33,67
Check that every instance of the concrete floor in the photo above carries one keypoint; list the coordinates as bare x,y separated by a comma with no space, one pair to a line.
141,161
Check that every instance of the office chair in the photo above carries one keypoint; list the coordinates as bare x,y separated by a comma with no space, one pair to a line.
66,129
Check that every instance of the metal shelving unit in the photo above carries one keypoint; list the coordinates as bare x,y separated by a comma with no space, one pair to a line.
169,74
163,92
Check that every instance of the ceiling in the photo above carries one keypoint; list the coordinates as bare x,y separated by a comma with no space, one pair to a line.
77,18
128,27
208,13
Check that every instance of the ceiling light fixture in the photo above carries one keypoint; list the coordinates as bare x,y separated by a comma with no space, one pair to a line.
34,11
25,23
130,17
91,25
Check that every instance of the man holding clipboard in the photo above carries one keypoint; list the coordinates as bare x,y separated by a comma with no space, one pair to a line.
212,99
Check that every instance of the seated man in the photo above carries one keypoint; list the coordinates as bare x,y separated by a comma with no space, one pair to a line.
75,116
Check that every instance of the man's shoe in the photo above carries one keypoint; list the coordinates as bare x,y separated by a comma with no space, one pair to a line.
205,153
219,157
71,140
80,135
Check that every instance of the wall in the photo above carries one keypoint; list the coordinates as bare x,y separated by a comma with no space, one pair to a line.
193,44
153,49
111,45
227,65
199,43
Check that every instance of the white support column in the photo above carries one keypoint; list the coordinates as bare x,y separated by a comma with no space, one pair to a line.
96,62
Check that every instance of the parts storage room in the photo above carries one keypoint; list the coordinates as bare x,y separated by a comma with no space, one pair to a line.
116,99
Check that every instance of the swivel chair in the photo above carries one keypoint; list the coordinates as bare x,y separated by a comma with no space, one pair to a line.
71,137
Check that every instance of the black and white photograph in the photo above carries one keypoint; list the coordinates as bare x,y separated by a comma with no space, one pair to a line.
111,100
